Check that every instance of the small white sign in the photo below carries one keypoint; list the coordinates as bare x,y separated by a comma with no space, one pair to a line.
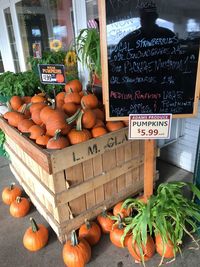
149,126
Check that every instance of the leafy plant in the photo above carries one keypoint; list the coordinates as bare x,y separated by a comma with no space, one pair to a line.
21,84
88,49
167,213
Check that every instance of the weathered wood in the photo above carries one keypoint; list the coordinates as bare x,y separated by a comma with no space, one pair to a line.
149,156
98,169
88,174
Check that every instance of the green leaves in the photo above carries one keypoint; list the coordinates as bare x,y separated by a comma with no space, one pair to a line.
88,49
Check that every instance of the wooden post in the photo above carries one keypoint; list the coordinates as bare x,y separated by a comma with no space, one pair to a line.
149,155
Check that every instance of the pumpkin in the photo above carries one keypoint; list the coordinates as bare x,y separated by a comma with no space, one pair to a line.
91,232
58,141
117,232
26,99
24,125
15,118
35,237
118,210
99,114
35,116
60,96
20,207
114,125
57,120
89,101
76,252
42,140
69,108
72,97
99,123
98,131
35,131
10,193
36,106
46,112
38,99
88,119
148,249
16,102
73,85
164,249
105,222
25,111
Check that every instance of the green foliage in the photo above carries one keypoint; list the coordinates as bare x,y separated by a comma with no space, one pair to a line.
88,50
2,140
22,83
168,213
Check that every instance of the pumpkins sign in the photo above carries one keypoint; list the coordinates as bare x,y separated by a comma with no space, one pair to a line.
52,73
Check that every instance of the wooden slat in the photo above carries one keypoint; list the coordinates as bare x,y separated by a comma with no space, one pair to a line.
75,176
38,154
149,156
120,159
26,172
73,155
97,181
128,155
98,169
88,174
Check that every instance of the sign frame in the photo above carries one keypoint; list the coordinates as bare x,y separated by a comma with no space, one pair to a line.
105,76
59,67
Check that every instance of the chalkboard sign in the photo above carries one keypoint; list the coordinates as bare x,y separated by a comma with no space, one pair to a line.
150,57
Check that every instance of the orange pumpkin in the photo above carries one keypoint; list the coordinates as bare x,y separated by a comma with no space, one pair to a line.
38,99
58,141
116,234
89,101
42,140
24,125
148,249
118,210
35,237
105,222
114,125
164,249
35,131
10,193
15,118
98,131
76,252
88,119
20,207
74,86
91,232
60,78
16,102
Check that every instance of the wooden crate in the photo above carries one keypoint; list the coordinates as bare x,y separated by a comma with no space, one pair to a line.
67,186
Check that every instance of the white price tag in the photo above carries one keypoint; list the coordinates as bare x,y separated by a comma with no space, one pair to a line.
149,126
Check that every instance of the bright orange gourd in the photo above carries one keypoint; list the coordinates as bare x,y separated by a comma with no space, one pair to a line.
10,193
105,222
118,210
164,249
36,236
20,207
91,232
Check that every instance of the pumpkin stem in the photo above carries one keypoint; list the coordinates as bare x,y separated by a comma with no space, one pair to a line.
104,212
9,106
11,186
34,225
73,117
24,107
88,224
57,134
74,239
18,199
53,103
79,122
120,221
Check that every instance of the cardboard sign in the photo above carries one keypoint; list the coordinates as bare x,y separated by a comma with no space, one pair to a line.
52,73
149,126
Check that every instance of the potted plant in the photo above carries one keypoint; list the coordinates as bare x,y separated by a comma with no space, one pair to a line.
167,217
88,50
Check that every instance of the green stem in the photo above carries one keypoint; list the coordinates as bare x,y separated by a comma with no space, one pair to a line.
34,225
18,200
57,134
73,117
79,122
74,239
88,224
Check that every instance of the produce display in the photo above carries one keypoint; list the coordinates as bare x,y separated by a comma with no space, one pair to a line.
72,117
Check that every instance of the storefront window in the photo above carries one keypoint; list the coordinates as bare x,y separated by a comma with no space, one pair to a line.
12,41
45,25
92,9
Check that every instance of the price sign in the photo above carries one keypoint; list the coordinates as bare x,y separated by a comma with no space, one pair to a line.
149,126
52,73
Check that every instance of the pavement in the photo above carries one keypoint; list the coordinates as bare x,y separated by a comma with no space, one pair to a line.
104,254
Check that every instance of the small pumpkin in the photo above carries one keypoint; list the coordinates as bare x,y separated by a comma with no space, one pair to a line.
69,108
42,140
73,85
36,236
38,99
89,101
36,106
148,249
164,249
20,207
58,141
35,131
98,131
91,232
10,193
15,118
117,232
76,252
88,119
105,222
113,126
24,125
122,211
16,102
72,97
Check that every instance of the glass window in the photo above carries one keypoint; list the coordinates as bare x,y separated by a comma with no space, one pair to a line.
45,25
92,9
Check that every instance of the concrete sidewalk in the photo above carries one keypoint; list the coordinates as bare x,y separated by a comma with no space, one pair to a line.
13,254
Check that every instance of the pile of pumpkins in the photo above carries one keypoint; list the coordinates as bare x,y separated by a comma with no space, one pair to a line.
72,117
76,252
